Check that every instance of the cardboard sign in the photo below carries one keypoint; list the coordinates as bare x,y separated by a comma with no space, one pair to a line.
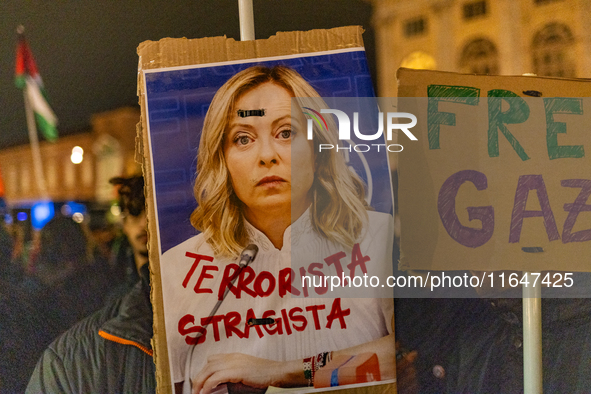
500,176
198,312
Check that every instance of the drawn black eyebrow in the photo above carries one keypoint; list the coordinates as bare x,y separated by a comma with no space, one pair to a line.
253,112
233,126
532,93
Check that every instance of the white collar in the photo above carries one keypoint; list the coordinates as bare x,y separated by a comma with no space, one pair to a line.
296,229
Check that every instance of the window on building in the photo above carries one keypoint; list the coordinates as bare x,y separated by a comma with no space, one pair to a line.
474,9
553,51
480,57
415,27
419,60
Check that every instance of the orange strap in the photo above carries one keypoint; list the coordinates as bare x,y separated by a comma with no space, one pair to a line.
122,341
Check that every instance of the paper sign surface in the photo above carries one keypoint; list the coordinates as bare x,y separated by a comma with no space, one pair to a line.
177,83
500,176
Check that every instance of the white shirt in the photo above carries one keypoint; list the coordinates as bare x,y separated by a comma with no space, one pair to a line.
192,277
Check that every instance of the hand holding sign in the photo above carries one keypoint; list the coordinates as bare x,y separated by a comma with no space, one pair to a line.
248,370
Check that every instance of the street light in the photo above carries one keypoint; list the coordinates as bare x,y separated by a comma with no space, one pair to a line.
77,155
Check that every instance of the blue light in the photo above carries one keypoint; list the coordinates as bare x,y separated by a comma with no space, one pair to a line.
21,216
73,207
41,213
8,218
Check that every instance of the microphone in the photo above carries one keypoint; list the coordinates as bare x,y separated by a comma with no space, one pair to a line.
246,257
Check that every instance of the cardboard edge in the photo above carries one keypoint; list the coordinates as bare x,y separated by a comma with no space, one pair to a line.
160,351
407,87
403,70
172,52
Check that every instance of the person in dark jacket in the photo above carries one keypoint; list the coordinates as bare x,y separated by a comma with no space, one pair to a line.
110,351
129,252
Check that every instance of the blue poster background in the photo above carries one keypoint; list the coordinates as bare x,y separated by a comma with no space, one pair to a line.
177,101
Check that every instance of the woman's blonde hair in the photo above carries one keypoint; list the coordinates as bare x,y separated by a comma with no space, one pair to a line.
338,210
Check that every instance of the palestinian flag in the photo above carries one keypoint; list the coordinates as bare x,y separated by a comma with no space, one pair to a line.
27,78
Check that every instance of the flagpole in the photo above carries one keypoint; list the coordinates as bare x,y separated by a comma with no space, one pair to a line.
532,335
246,16
35,150
533,382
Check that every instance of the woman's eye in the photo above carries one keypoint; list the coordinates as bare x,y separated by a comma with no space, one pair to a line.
285,134
242,140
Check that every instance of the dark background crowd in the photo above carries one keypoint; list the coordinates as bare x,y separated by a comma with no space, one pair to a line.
67,271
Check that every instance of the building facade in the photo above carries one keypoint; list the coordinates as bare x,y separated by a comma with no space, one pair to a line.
503,37
108,151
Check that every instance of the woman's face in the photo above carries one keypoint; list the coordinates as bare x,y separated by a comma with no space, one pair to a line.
259,150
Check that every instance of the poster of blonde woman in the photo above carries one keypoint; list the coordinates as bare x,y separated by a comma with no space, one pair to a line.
254,221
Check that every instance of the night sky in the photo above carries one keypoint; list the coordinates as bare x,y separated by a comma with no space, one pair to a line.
86,50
